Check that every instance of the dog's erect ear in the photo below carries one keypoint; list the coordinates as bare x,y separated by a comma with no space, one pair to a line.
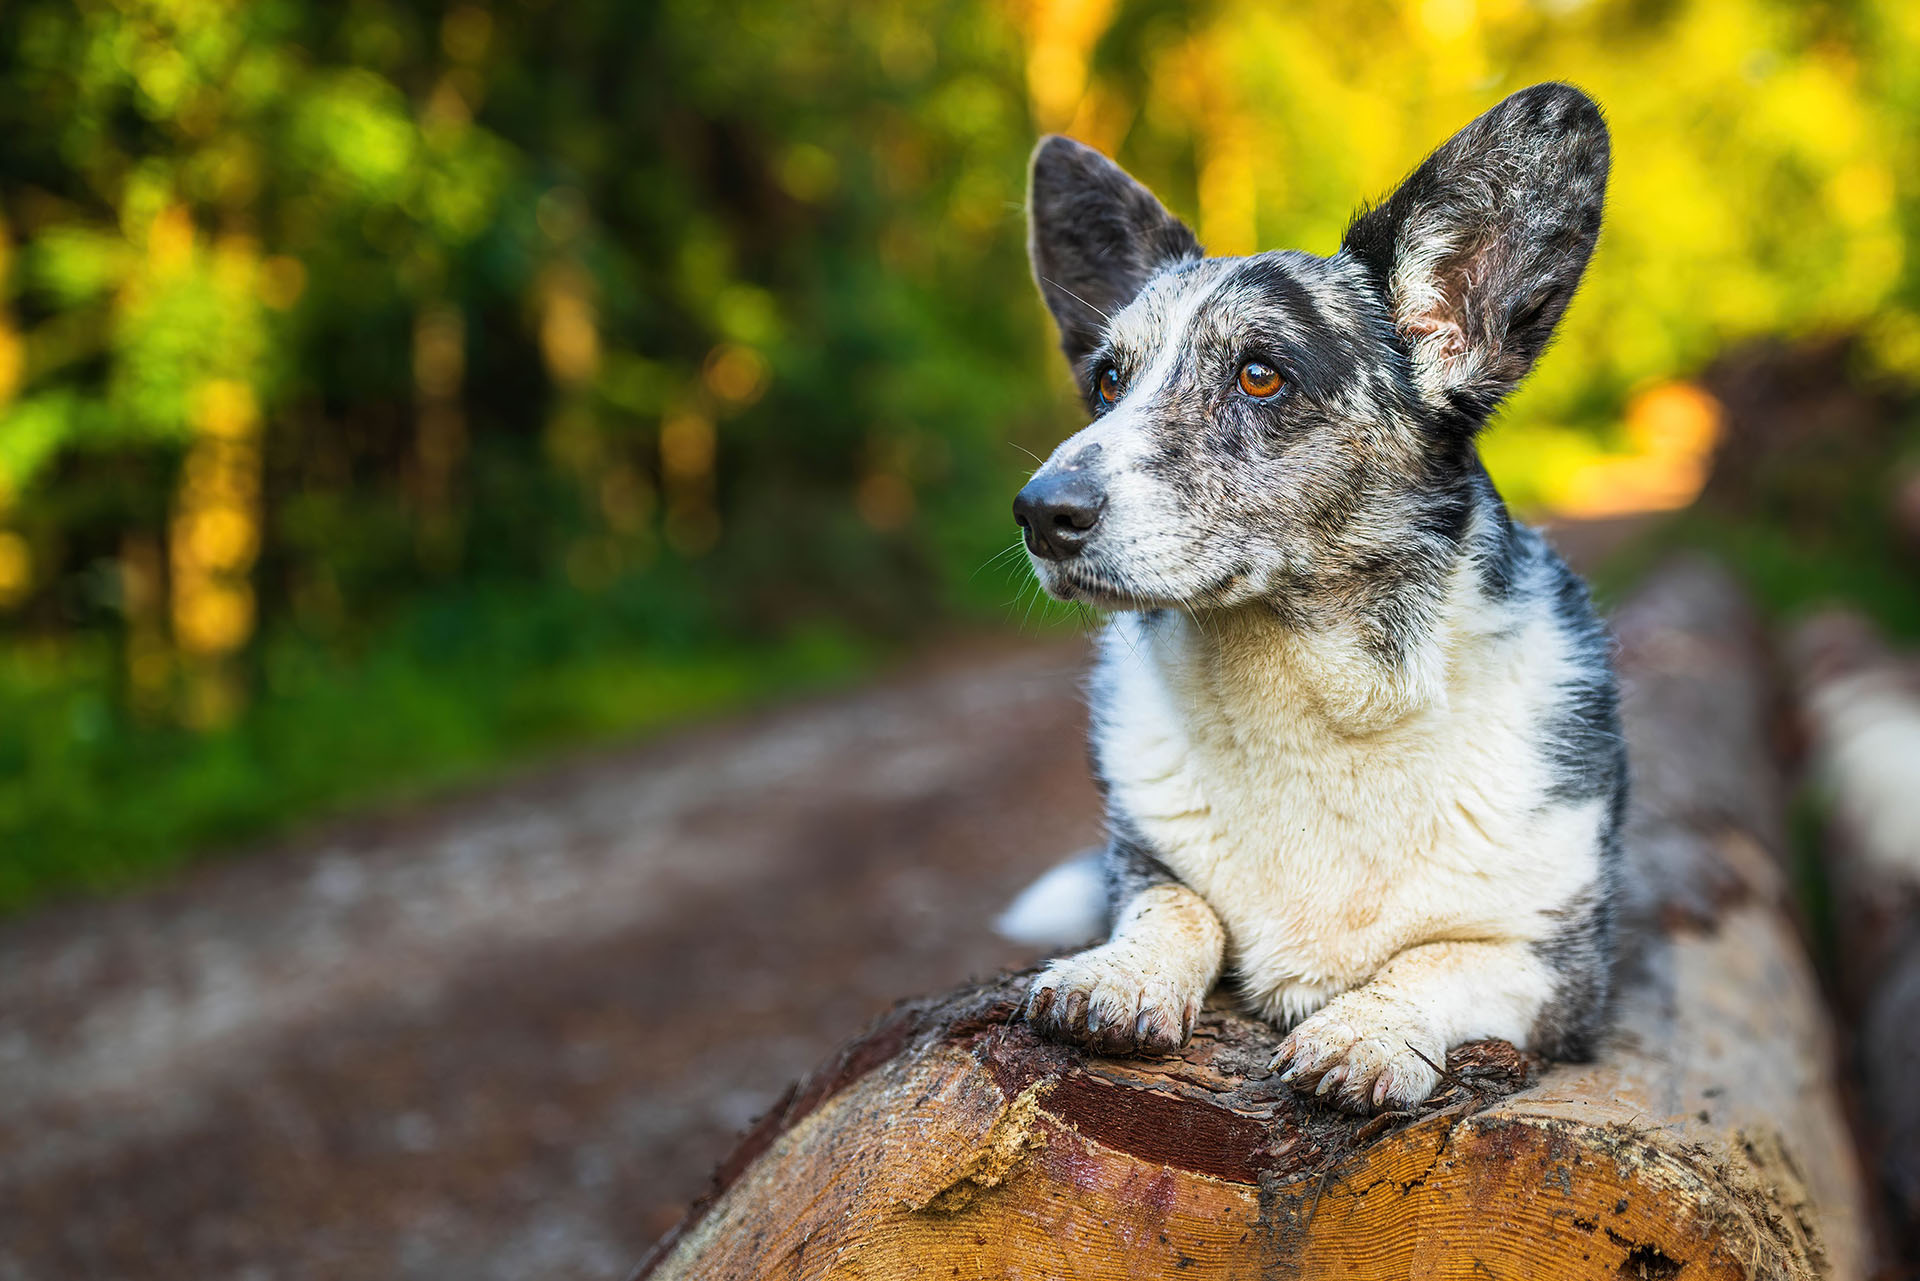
1095,236
1480,250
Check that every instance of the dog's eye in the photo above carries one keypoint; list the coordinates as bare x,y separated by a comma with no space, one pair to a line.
1260,380
1108,384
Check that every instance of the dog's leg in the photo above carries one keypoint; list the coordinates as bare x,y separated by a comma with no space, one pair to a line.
1382,1044
1142,989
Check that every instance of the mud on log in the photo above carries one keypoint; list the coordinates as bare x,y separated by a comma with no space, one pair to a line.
1706,1142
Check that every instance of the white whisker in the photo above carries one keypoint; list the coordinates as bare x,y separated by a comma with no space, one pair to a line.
1077,298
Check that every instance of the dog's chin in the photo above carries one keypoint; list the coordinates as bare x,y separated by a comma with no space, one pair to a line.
1074,581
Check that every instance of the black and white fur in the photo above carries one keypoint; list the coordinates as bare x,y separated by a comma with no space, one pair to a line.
1356,728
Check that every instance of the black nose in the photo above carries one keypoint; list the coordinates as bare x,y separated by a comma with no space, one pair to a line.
1058,512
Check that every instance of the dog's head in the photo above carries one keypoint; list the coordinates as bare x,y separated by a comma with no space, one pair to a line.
1275,425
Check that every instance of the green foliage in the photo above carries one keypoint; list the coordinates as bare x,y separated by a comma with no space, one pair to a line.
457,686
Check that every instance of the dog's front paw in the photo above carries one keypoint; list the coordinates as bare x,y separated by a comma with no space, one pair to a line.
1364,1053
1108,1001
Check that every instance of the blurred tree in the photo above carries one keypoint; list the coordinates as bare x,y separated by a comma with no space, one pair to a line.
487,345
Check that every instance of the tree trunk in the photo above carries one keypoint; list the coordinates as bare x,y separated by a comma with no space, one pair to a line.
1705,1142
1860,707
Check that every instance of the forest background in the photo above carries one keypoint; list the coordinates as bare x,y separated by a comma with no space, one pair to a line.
392,391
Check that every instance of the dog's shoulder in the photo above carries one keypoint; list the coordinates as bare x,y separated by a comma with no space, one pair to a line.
1578,725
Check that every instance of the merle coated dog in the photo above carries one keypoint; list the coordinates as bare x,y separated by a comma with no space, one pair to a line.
1356,728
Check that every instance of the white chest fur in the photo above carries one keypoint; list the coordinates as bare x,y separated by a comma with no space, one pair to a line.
1333,810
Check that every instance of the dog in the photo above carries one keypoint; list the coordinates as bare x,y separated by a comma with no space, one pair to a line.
1356,728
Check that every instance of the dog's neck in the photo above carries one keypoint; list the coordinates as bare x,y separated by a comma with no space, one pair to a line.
1251,663
1353,659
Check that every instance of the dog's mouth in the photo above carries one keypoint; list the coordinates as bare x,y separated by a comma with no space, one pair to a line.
1072,582
1077,581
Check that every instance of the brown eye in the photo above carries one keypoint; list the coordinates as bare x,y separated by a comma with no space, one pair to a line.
1260,380
1109,384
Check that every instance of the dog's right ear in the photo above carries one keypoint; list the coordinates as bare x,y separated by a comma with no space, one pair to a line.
1095,237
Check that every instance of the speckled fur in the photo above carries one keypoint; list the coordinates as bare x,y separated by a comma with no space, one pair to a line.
1357,728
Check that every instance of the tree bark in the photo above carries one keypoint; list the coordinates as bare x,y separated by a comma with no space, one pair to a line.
1860,709
1706,1141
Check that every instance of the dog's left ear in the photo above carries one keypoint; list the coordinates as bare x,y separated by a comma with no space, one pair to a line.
1095,237
1480,250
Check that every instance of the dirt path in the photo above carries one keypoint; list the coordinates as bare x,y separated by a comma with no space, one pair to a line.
508,1036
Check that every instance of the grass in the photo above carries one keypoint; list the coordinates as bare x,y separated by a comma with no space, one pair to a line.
91,799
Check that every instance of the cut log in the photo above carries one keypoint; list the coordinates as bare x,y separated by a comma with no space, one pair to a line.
1860,707
1705,1142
